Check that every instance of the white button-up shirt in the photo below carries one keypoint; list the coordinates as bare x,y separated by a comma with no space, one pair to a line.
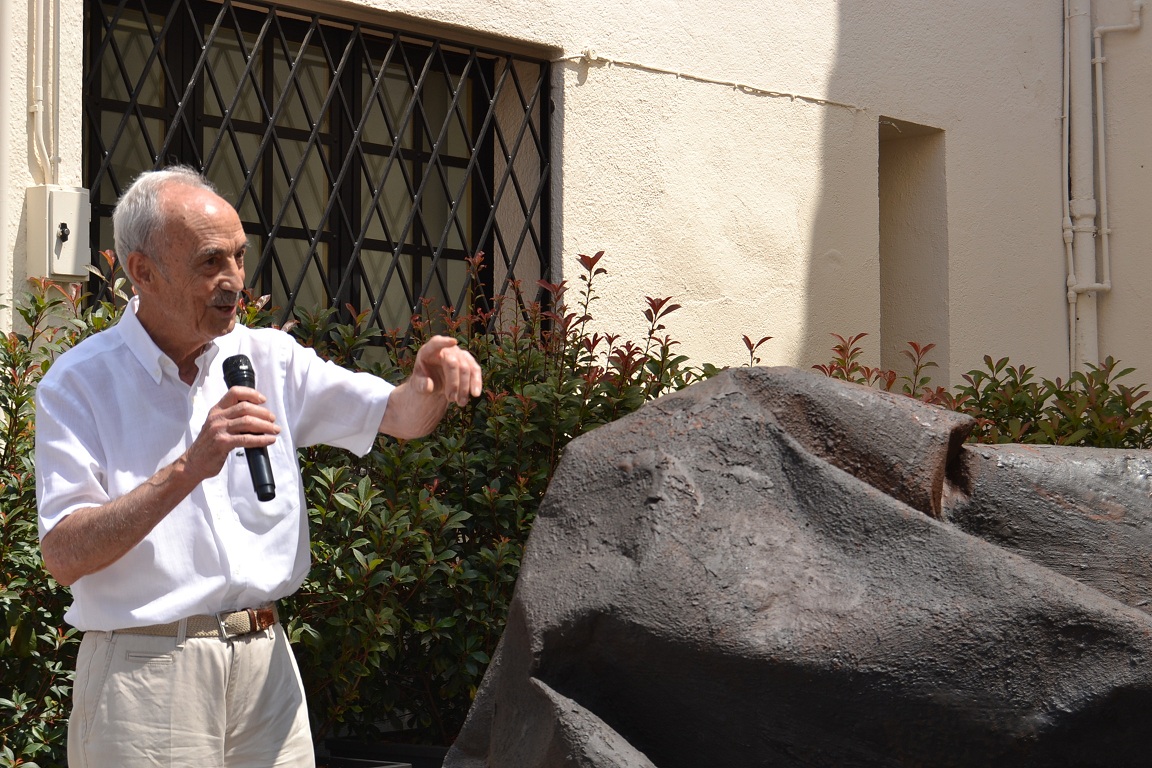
113,411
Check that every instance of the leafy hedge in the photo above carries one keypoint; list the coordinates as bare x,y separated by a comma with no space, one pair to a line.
1092,408
37,649
416,547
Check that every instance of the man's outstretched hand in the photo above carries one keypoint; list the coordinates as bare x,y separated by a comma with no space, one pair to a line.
443,374
443,368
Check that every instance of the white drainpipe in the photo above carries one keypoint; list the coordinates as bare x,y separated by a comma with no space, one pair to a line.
6,256
1070,264
1080,210
1101,166
1084,179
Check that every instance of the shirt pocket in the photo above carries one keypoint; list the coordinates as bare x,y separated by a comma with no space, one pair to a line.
255,515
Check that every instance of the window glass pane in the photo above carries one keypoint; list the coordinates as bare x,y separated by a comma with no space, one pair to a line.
130,155
121,75
226,62
391,99
303,93
105,242
293,257
442,119
228,168
443,229
251,261
305,205
451,275
395,311
395,203
456,141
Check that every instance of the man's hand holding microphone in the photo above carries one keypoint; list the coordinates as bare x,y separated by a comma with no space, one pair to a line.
238,421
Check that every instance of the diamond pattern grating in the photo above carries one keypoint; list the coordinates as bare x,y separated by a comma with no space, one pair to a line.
366,163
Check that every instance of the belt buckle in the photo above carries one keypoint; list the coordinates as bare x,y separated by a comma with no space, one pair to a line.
221,616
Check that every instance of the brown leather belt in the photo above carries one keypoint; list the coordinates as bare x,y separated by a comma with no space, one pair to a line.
226,625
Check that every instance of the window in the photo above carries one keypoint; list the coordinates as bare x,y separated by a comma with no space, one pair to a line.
366,163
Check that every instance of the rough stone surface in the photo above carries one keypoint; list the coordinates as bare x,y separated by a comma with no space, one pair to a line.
773,568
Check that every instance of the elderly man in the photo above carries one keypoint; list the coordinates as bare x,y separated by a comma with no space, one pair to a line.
147,508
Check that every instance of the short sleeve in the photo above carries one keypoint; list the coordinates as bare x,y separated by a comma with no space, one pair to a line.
331,405
69,455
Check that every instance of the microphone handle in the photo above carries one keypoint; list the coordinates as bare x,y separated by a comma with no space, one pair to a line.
261,470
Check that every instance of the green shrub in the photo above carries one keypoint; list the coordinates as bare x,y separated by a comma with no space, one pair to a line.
1009,405
37,649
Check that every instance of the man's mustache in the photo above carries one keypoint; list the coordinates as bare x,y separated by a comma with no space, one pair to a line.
222,298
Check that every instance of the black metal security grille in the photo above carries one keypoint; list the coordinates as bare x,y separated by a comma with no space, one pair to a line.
366,163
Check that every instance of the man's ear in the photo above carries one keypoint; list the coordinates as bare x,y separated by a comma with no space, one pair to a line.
140,269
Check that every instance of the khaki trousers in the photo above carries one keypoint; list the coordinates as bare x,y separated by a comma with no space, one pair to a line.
153,701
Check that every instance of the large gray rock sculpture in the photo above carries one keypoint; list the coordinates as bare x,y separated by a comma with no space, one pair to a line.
773,568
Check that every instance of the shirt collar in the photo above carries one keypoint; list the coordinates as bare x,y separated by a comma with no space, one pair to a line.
147,353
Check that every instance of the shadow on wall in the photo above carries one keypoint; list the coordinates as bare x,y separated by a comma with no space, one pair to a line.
879,241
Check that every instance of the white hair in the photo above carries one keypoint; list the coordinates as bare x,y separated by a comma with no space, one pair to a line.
137,219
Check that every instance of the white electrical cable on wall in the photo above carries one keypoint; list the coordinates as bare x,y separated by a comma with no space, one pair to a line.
55,92
36,108
589,56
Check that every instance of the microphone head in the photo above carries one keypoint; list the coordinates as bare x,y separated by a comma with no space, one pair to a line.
238,372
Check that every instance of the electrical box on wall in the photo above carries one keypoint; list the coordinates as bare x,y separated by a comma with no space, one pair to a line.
58,221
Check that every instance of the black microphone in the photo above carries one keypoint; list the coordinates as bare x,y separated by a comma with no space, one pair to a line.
238,373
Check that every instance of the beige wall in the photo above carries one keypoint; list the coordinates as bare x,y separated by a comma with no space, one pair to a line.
13,142
726,154
61,67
